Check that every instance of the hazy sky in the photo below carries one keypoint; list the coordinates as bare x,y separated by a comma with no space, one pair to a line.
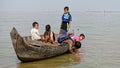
58,5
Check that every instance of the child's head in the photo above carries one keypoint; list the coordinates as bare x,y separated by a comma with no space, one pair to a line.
66,9
77,44
35,25
82,36
48,27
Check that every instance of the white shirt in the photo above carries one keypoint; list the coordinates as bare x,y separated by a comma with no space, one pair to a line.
35,34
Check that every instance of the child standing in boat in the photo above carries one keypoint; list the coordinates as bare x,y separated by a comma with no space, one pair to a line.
66,21
35,32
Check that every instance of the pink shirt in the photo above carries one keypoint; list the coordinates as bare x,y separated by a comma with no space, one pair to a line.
76,38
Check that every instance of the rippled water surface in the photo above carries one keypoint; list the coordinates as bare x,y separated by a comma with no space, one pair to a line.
100,49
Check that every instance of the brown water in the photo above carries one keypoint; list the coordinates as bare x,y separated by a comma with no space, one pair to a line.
100,49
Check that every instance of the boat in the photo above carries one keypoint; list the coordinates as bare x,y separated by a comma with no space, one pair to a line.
28,50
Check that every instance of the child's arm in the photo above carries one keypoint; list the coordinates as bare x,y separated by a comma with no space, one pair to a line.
77,51
70,19
70,45
70,49
42,37
51,37
69,24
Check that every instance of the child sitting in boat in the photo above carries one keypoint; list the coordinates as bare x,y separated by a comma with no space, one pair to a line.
49,36
73,41
35,32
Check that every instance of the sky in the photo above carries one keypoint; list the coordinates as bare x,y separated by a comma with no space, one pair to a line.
58,5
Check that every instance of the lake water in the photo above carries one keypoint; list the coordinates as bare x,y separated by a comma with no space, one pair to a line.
100,49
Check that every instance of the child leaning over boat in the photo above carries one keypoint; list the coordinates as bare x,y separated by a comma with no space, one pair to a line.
73,41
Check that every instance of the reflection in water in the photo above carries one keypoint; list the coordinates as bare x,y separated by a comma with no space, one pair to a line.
66,60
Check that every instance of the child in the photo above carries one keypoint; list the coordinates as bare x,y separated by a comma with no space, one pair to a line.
78,38
48,34
66,20
34,31
73,41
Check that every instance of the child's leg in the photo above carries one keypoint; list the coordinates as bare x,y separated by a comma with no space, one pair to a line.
67,33
60,31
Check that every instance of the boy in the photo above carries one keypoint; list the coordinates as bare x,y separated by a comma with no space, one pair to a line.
66,20
78,38
73,41
34,31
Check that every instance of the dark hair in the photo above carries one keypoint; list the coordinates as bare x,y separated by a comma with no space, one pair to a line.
34,24
82,35
66,7
48,27
77,44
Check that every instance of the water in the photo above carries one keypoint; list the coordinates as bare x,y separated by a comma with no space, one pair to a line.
100,49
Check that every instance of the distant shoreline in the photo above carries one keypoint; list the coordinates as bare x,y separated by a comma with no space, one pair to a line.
47,11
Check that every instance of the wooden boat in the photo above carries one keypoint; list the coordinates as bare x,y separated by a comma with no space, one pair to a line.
28,50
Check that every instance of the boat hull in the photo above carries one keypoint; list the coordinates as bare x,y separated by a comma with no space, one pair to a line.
26,50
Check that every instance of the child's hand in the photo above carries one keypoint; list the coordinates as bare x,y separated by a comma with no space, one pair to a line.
72,51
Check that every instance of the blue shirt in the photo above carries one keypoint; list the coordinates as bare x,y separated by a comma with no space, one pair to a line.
66,17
